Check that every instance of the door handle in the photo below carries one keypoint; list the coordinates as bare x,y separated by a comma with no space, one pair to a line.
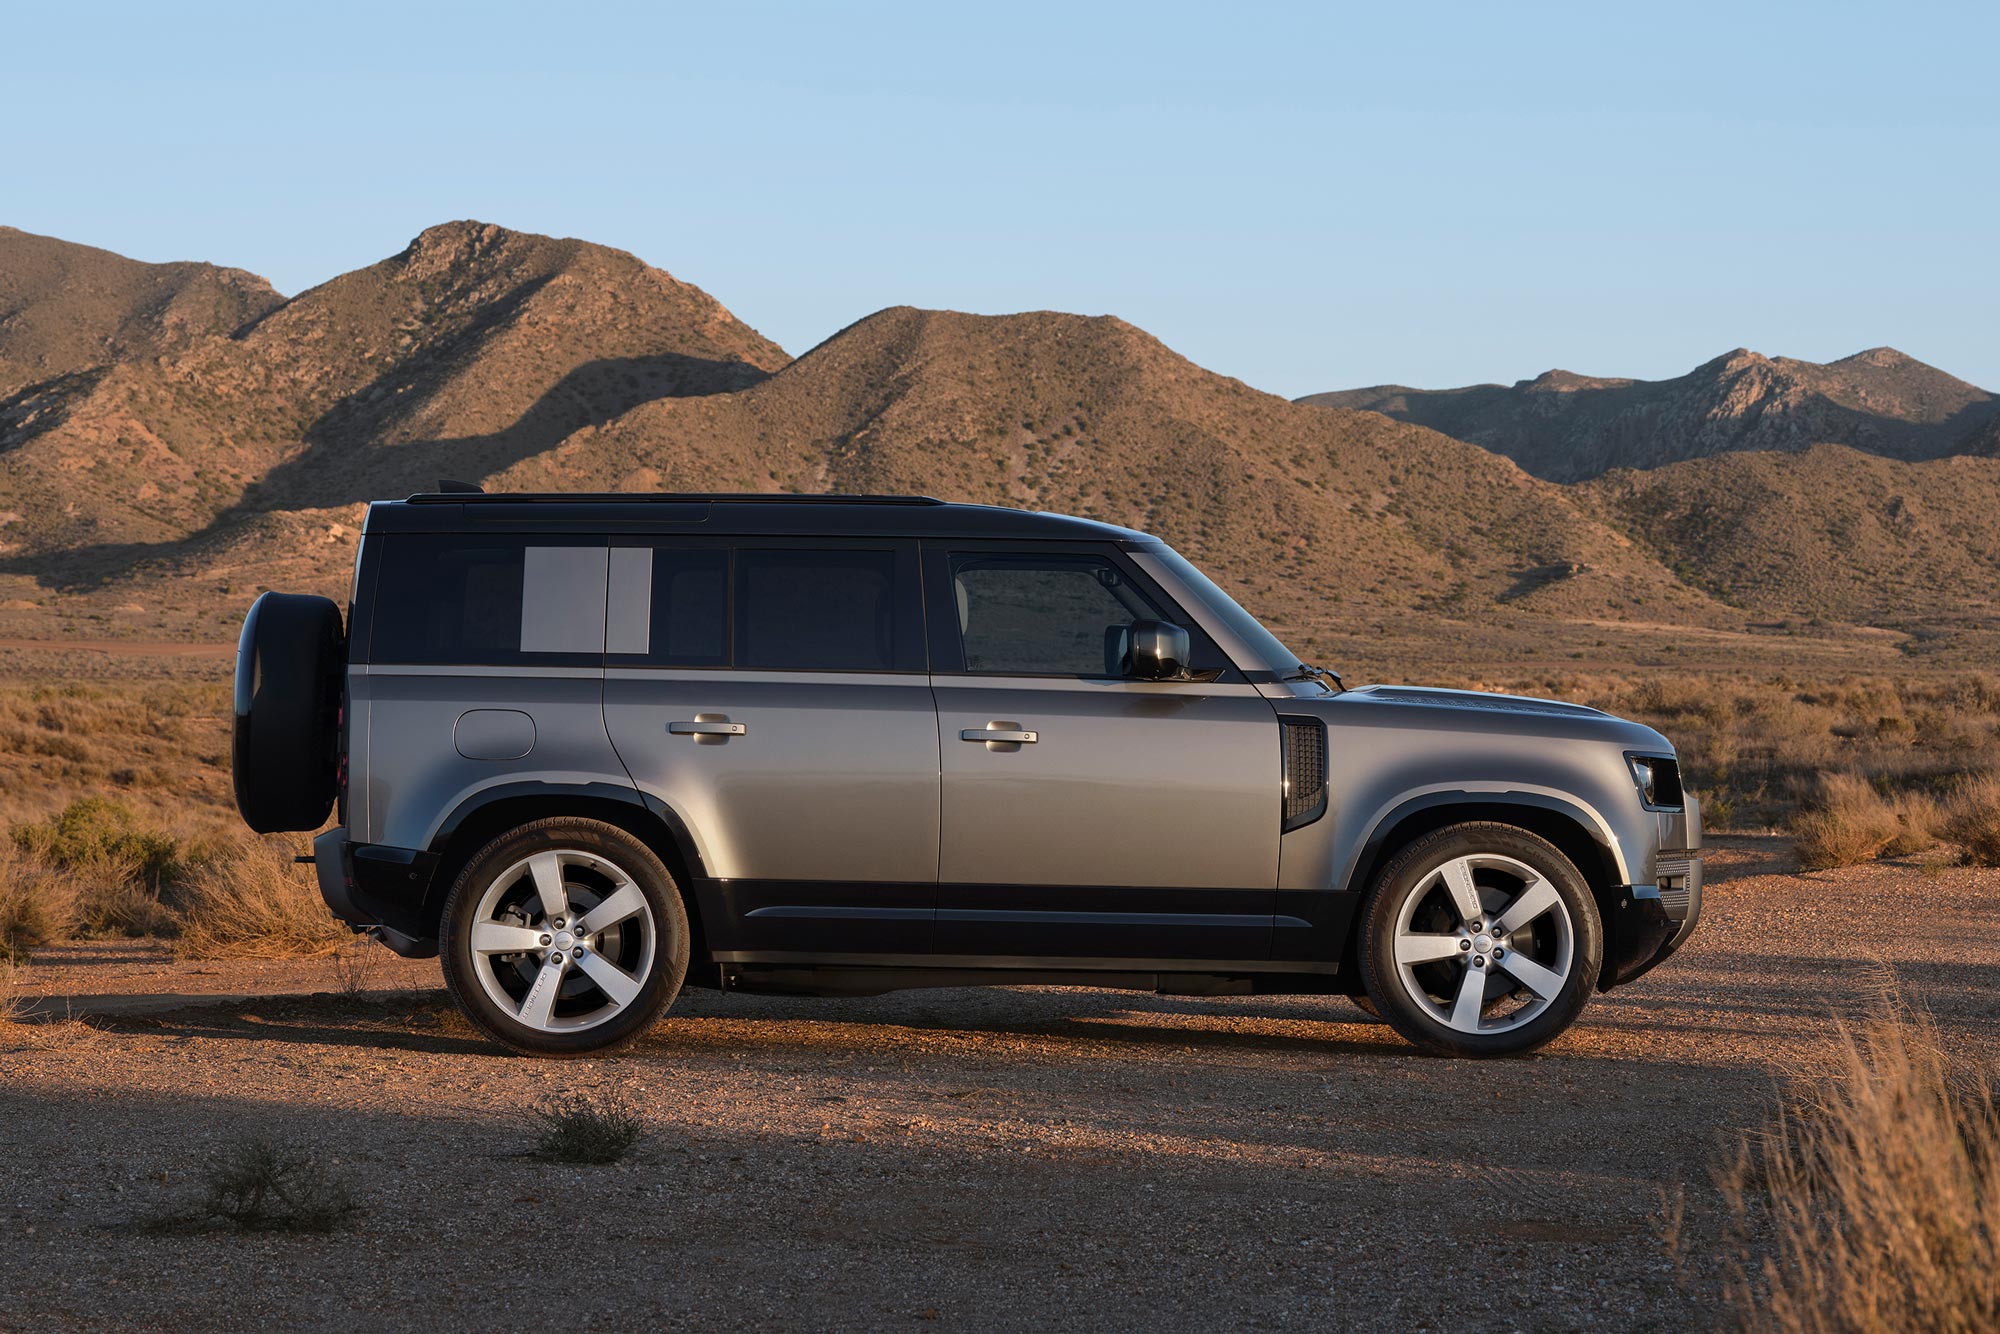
1019,736
708,727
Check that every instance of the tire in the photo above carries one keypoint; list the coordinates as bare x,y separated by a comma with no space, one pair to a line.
1366,1006
285,747
1446,988
521,979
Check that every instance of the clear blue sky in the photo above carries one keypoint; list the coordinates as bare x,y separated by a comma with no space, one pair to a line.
1308,197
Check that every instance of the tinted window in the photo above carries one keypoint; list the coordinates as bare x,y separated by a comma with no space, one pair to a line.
668,606
691,608
488,601
808,610
1045,615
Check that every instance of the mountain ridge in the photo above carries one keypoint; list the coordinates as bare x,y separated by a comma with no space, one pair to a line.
1569,427
155,493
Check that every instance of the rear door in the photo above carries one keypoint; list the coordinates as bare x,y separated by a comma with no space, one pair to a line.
1084,812
772,693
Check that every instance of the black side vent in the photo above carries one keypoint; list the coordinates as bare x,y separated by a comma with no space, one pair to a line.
1305,770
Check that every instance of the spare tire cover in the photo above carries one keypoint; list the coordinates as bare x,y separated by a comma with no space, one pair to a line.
287,744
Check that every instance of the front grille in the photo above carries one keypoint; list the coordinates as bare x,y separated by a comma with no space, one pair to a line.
1305,770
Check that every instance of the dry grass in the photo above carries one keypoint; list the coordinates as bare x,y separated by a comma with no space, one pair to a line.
1756,748
252,902
1871,1202
1972,820
1849,821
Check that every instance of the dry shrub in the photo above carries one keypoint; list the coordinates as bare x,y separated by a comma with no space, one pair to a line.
353,966
1917,818
255,1185
1872,1201
1972,820
37,905
1847,822
93,833
250,901
586,1128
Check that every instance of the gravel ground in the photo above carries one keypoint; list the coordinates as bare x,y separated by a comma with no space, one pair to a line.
1021,1158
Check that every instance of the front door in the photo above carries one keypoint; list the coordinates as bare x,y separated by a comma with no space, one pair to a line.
1086,813
772,694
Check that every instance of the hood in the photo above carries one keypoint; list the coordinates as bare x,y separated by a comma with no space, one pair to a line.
1472,712
1438,697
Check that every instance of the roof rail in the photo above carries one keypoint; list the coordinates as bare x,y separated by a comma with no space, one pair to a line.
662,498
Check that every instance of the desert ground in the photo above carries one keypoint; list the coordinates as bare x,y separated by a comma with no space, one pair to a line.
959,1159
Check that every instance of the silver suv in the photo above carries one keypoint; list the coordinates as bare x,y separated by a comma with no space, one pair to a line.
590,749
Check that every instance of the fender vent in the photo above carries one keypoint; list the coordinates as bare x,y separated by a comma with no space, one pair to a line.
1305,770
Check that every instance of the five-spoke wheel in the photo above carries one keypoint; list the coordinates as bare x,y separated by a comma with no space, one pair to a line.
1480,940
564,936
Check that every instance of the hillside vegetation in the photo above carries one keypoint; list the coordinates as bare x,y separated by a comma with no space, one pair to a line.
1568,427
151,493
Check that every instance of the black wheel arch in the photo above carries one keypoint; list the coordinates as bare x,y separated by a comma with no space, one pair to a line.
1562,823
491,812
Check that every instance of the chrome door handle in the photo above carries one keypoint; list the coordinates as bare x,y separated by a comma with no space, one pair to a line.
1017,735
707,727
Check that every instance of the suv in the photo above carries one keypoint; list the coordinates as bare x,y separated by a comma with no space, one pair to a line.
590,749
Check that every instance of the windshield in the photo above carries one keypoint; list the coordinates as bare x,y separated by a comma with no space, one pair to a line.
1225,609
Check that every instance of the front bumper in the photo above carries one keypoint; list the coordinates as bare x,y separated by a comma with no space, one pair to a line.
379,890
1652,921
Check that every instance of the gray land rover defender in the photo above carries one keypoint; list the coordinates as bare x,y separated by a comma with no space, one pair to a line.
589,749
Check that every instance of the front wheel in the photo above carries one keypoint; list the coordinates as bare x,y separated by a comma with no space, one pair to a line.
1480,940
564,937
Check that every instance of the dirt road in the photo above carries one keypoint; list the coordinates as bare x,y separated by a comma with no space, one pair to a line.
1004,1159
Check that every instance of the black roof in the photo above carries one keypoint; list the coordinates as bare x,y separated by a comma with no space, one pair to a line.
753,513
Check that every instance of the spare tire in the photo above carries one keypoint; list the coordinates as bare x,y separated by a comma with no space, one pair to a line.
287,737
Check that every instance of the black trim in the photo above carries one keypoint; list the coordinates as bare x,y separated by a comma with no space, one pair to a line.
1372,849
492,796
1672,766
745,516
1025,963
1297,814
458,493
378,889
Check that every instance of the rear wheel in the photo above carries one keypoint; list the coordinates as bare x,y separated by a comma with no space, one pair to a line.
1480,940
564,937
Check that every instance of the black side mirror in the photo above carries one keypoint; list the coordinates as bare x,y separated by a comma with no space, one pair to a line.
1159,651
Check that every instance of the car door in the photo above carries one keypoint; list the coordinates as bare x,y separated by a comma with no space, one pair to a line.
772,693
1084,812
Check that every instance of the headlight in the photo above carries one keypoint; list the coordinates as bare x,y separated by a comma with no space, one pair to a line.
1659,780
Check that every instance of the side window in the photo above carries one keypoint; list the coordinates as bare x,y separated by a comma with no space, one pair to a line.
801,609
669,606
1045,615
474,600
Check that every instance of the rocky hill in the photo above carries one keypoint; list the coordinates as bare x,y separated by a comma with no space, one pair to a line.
472,348
153,494
65,307
1568,427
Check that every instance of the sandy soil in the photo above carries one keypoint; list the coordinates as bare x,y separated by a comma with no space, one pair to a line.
1022,1158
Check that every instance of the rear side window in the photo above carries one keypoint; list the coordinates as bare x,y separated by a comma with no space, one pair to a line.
796,607
815,610
497,601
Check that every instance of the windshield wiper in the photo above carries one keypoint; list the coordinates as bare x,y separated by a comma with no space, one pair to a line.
1308,672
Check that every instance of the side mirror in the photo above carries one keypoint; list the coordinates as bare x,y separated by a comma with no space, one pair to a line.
1159,651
